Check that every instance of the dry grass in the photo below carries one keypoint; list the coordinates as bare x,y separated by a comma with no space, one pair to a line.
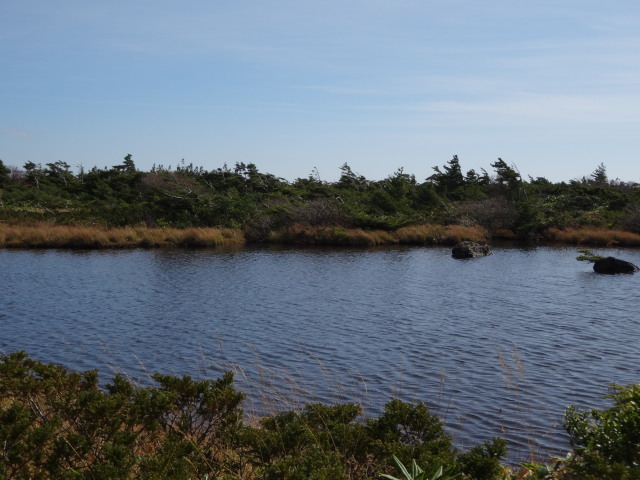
414,235
440,235
517,386
300,234
46,235
594,236
49,235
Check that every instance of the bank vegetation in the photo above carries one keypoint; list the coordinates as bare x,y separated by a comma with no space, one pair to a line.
186,206
59,424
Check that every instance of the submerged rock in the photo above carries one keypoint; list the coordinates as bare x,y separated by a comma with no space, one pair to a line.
469,249
612,265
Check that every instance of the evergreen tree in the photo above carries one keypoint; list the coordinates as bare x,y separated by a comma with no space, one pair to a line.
448,182
4,175
599,176
508,177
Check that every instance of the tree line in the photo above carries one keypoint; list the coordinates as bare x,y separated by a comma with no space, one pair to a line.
500,200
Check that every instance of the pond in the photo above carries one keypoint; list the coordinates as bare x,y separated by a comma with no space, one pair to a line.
496,346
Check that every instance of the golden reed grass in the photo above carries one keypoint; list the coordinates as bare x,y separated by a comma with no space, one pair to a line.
593,236
414,235
429,234
48,235
45,235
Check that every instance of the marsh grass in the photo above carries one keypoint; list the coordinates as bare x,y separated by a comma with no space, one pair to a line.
47,235
51,235
515,382
427,234
430,234
274,389
593,236
300,234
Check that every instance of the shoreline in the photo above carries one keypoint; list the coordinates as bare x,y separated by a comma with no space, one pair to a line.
98,237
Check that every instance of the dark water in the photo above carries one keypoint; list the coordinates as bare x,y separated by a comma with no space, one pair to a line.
496,346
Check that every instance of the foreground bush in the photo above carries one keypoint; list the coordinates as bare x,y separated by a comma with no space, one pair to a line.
607,442
56,424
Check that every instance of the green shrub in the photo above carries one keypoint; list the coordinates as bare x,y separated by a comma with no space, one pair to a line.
607,442
410,432
329,441
482,462
319,442
56,424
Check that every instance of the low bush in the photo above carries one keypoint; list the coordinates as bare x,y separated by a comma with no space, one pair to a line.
606,442
57,424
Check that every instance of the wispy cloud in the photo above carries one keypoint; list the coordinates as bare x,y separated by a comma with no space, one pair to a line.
548,108
14,132
345,90
519,111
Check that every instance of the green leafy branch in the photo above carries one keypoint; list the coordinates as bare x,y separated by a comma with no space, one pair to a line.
587,256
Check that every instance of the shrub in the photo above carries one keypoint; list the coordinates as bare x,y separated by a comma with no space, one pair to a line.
319,442
607,442
410,432
493,213
482,462
59,424
631,220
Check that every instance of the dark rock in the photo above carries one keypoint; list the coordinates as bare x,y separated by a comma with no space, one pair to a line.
469,249
612,265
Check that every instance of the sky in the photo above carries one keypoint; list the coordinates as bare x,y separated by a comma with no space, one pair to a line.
552,87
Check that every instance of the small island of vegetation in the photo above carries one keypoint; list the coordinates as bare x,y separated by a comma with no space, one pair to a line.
121,206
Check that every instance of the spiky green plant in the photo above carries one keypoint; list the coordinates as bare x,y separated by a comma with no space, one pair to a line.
417,473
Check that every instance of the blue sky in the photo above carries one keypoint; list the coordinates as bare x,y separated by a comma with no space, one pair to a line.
551,86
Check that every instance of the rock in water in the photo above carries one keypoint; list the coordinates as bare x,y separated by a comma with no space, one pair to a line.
469,249
612,265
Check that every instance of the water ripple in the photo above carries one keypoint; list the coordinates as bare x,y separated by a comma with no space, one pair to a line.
495,346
